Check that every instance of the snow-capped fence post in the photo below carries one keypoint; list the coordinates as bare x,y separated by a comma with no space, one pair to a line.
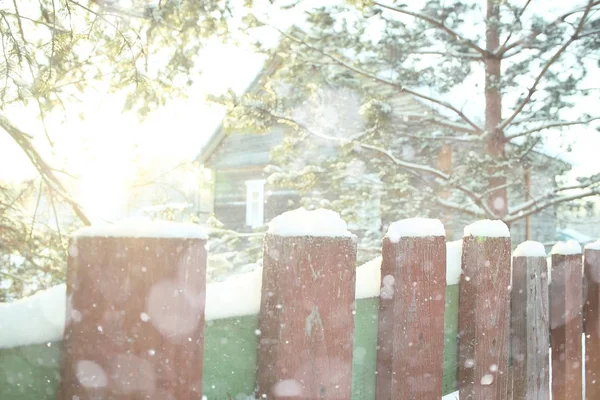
592,321
530,323
566,298
306,319
135,312
411,311
484,307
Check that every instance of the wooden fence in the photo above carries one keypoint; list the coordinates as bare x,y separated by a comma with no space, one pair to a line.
136,323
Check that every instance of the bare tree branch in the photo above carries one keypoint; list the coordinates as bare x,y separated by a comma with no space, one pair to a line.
46,172
547,66
549,126
452,54
436,23
369,75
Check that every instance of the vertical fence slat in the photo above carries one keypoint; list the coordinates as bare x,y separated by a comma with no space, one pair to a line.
306,319
566,326
530,326
592,324
135,318
411,344
483,319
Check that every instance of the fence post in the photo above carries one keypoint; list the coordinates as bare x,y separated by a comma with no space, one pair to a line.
135,312
530,323
483,316
306,320
592,321
566,321
411,312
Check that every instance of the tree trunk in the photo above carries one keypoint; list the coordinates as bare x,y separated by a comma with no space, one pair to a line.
493,110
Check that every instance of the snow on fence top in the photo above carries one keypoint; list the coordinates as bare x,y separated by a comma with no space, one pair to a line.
593,246
530,248
301,222
415,227
35,319
453,262
142,228
566,248
487,228
234,297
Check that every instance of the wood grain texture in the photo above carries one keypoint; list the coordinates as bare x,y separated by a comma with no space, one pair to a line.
592,324
483,319
566,326
530,324
306,318
411,320
135,319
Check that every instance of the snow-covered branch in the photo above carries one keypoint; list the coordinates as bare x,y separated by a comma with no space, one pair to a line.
461,208
452,54
547,66
539,204
438,24
550,126
374,77
455,126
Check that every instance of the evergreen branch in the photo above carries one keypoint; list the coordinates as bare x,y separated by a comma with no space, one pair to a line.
549,126
505,48
369,75
34,21
438,24
412,167
23,140
500,50
446,54
547,66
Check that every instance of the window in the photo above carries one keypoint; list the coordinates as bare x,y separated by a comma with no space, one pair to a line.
255,202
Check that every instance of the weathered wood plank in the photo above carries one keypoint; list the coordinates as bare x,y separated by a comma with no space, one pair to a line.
306,318
483,318
135,319
530,324
410,354
566,326
592,324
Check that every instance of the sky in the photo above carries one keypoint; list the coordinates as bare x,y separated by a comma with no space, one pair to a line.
105,149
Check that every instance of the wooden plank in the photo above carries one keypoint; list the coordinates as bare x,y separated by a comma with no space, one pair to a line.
592,324
306,319
566,326
483,318
135,319
410,365
530,324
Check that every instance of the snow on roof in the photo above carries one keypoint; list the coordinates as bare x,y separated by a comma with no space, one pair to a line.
566,248
530,248
453,262
144,228
35,319
415,227
301,222
487,228
594,245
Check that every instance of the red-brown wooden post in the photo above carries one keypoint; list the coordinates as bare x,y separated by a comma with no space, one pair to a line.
135,313
411,314
530,323
483,316
592,321
566,298
306,320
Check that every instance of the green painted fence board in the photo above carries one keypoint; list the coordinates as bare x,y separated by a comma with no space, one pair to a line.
32,372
